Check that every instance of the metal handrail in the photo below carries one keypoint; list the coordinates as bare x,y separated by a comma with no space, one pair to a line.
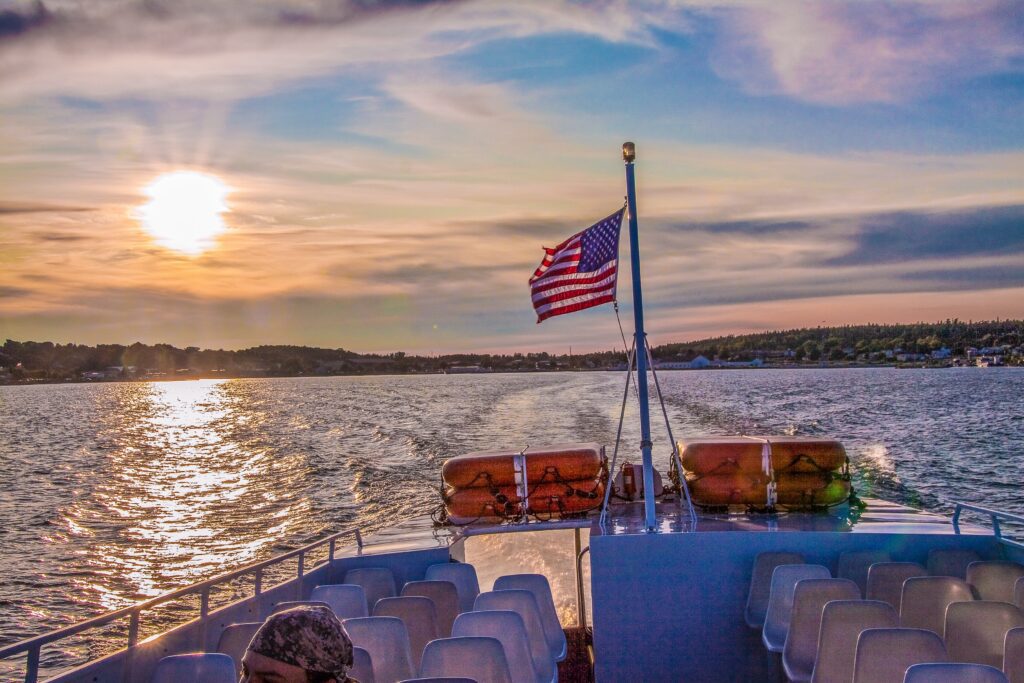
994,515
581,597
34,645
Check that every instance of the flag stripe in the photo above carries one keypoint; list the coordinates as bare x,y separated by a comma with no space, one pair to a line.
579,273
572,308
573,281
563,277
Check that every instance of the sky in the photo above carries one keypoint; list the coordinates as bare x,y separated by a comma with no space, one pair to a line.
389,172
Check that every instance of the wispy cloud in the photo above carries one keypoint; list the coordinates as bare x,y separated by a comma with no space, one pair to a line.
876,51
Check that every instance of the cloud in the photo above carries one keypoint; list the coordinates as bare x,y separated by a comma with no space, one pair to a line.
14,22
191,49
9,208
914,235
839,53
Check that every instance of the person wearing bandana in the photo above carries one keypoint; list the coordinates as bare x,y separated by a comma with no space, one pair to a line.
305,644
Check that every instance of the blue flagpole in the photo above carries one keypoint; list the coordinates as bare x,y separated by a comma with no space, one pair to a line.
629,156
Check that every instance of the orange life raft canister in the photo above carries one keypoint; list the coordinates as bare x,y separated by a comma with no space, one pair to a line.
796,472
491,486
567,462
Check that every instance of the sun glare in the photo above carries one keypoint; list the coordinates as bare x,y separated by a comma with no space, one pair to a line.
184,211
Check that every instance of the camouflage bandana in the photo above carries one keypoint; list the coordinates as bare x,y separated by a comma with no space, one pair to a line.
309,637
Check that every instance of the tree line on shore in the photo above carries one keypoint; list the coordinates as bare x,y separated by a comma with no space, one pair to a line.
46,361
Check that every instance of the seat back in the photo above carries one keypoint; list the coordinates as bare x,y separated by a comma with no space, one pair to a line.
508,627
994,580
346,600
761,585
446,601
234,640
885,654
854,565
523,603
541,589
1018,593
362,666
377,583
976,631
842,622
885,580
481,659
387,641
463,575
289,604
420,619
209,667
953,673
950,561
780,600
809,599
1013,655
925,599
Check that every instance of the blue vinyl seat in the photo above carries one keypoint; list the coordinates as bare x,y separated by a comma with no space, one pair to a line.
842,622
387,641
1013,655
541,589
482,659
506,626
346,600
464,577
950,561
809,600
994,580
445,598
780,600
524,603
420,619
976,631
885,654
209,667
234,639
362,666
761,585
953,673
885,580
290,604
854,565
377,583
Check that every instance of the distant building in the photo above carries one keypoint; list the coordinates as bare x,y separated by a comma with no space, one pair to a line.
699,363
467,370
941,354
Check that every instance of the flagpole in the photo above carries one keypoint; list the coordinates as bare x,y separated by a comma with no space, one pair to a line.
629,156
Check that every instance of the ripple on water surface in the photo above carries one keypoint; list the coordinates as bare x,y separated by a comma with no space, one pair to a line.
115,492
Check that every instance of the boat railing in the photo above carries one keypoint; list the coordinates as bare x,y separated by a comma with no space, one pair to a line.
33,646
997,517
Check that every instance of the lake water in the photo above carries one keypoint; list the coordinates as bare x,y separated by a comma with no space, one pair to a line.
113,492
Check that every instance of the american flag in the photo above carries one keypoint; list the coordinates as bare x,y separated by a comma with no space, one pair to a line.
579,272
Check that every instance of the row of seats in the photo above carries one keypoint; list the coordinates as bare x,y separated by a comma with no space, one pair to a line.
438,627
814,621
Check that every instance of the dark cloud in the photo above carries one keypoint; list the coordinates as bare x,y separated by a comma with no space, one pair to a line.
746,227
992,277
58,237
913,236
16,23
9,292
7,208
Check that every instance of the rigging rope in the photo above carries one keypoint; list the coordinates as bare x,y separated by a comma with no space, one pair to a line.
676,461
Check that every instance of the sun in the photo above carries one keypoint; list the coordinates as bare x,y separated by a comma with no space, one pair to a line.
184,211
